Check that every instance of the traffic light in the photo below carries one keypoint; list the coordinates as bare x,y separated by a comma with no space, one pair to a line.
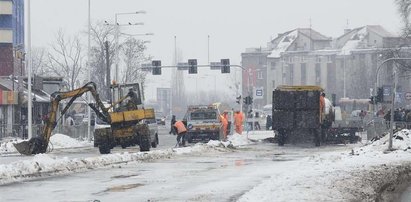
156,67
225,66
192,66
380,95
372,100
248,100
238,99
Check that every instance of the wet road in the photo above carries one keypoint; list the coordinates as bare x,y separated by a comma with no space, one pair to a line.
207,176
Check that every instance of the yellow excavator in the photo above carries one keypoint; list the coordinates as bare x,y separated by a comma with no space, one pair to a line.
124,116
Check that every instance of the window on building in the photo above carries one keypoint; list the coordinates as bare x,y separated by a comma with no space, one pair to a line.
329,59
260,75
273,65
318,59
291,76
303,74
317,74
303,59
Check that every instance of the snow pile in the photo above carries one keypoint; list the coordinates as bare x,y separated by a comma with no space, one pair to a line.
64,141
50,165
400,141
7,146
57,141
239,140
360,174
47,164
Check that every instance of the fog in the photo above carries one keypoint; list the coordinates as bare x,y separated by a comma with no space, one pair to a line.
208,29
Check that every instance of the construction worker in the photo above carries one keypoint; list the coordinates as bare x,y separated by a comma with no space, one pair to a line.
181,133
322,106
238,122
224,123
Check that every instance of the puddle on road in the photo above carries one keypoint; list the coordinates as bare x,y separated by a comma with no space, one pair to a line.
120,188
124,176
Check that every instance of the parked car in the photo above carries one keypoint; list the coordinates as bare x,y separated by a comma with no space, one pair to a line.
161,120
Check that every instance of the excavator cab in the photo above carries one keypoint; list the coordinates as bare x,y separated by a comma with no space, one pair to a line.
132,91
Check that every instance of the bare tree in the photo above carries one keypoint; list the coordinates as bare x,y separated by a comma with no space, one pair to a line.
39,56
65,59
404,8
100,33
133,54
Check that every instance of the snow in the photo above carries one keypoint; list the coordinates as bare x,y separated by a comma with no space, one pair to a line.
323,176
284,44
354,43
57,141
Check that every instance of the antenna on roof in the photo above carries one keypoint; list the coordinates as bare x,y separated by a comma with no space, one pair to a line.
347,27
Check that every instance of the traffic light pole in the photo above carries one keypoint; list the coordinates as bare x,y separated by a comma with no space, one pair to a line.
208,65
392,125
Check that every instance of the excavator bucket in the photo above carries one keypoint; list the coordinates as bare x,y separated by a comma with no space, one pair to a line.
35,145
24,148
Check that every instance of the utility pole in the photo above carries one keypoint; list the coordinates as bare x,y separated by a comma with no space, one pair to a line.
108,76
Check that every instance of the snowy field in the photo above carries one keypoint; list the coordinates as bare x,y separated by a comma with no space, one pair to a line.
366,173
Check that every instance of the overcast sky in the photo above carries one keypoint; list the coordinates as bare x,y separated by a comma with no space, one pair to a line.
233,25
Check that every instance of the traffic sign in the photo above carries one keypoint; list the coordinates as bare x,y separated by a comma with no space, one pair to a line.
408,96
258,93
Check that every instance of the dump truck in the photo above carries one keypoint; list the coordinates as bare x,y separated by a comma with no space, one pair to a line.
297,117
124,115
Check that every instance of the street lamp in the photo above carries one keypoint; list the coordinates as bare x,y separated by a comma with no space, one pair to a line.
393,93
118,32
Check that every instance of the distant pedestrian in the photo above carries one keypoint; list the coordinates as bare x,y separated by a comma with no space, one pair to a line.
173,129
269,122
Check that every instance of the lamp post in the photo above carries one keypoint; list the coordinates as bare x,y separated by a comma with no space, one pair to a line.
89,71
393,93
29,66
117,33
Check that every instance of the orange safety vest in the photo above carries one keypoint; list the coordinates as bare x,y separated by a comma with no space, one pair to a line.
180,127
322,103
223,120
238,118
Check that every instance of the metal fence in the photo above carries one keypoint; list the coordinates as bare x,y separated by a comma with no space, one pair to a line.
21,130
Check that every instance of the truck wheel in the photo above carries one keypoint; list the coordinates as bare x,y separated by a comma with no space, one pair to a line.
317,137
281,138
189,138
104,149
144,142
155,142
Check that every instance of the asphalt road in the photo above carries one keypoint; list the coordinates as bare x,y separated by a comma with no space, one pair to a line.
213,175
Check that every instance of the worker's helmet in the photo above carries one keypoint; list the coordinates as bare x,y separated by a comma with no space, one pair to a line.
323,94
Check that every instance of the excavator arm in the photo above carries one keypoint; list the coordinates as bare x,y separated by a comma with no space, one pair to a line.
38,145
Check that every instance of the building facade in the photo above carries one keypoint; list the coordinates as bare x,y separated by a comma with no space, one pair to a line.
345,66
